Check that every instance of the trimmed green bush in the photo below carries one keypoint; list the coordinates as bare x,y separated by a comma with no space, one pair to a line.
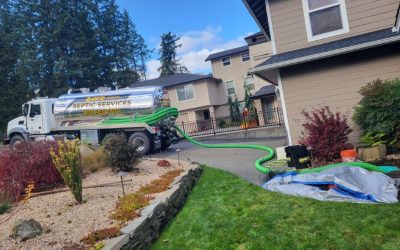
378,112
120,155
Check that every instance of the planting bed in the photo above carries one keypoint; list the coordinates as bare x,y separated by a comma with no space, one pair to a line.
64,223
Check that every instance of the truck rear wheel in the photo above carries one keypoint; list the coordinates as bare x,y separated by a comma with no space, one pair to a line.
15,140
142,141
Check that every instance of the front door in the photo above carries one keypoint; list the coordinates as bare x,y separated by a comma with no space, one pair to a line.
269,110
35,119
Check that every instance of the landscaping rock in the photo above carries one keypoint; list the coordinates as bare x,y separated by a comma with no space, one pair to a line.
26,229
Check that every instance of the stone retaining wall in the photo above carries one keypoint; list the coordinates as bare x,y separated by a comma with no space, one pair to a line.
143,231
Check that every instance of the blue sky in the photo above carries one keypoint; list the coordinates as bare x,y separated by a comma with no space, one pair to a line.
205,26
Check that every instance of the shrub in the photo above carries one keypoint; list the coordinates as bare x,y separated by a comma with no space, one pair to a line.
378,112
326,134
68,163
29,162
94,161
128,205
163,163
121,155
101,234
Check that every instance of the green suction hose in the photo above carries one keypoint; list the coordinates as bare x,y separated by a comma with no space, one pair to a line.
164,113
258,162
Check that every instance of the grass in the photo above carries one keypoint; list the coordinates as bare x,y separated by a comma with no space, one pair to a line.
226,212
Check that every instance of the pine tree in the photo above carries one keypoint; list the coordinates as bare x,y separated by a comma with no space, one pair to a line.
12,88
169,63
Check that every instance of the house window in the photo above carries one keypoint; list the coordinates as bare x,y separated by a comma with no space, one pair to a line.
226,61
245,57
325,18
185,92
249,81
230,87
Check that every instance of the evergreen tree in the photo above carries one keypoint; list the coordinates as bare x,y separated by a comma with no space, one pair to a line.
12,88
236,109
248,103
169,63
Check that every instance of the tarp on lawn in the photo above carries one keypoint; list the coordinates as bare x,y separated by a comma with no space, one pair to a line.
344,184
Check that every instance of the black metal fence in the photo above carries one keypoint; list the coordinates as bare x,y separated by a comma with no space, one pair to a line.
214,126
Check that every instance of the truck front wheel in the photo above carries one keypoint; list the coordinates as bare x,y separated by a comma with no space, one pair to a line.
15,140
142,141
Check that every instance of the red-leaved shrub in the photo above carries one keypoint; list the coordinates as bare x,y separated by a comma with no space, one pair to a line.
30,161
326,134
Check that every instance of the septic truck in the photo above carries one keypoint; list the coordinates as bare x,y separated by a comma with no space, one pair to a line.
93,117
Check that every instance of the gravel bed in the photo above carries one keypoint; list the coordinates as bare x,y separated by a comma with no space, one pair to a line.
65,223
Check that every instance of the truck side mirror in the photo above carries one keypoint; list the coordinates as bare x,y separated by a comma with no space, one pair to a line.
25,108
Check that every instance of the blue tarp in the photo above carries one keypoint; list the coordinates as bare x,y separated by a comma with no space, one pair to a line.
343,183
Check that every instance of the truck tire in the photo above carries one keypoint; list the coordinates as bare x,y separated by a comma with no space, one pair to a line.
165,144
143,142
107,137
15,140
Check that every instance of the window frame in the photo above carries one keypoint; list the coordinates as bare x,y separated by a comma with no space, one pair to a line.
183,86
307,19
226,88
222,61
248,56
253,83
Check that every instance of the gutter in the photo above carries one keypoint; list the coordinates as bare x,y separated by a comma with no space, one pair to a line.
325,54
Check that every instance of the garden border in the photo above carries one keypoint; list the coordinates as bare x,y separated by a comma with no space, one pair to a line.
143,231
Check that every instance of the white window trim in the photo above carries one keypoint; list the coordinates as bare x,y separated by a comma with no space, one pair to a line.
177,97
253,83
343,14
248,56
222,62
226,88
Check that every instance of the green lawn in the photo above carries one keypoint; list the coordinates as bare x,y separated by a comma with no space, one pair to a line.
226,212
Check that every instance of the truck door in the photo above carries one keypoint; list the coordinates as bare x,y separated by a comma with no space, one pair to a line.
35,119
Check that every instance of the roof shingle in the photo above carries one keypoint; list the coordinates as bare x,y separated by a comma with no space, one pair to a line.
172,80
334,48
227,53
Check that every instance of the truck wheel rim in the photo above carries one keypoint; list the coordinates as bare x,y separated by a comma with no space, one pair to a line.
17,142
139,142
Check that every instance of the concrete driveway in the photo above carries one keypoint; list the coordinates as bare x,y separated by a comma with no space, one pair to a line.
237,161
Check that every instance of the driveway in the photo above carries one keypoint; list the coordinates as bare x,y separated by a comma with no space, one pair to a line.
237,161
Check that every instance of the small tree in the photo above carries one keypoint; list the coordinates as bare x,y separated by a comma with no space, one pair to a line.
121,155
378,112
67,160
326,134
248,103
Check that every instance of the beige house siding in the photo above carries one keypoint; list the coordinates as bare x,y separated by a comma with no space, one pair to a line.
236,71
363,16
200,99
335,82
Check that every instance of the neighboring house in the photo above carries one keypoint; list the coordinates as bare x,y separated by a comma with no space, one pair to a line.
324,51
197,97
232,66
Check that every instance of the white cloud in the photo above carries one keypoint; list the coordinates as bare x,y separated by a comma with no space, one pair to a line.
196,46
152,67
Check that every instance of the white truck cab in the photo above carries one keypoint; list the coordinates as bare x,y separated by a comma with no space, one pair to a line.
36,122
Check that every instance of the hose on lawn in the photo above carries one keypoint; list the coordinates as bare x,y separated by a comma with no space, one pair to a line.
164,113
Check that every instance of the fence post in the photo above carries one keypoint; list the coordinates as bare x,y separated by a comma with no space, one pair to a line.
183,127
279,117
212,125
